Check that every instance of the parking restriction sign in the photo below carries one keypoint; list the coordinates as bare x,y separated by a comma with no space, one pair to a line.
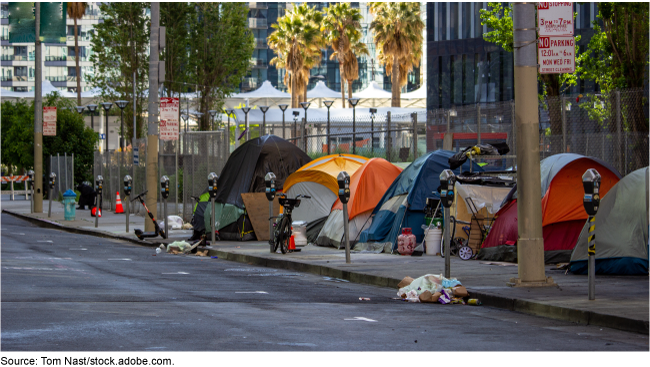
169,118
556,55
555,19
49,121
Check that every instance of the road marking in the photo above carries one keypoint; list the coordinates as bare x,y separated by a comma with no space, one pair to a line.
260,292
337,280
48,241
20,234
119,259
180,272
79,249
360,319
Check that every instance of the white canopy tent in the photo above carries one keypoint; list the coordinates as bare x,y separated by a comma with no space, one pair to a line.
47,88
314,114
415,98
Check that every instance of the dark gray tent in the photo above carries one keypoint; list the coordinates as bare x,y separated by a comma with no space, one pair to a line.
621,230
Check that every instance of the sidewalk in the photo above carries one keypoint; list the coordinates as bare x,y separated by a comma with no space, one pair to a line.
621,301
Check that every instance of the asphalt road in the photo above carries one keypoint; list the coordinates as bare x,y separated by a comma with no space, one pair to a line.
68,292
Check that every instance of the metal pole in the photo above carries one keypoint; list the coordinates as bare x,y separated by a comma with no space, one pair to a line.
388,138
563,106
127,212
372,133
354,130
73,171
271,225
176,176
31,193
263,126
446,239
65,157
212,218
530,243
246,126
591,251
152,127
166,218
12,186
303,132
97,208
328,131
49,209
619,128
346,229
478,124
134,105
38,118
58,170
283,126
415,135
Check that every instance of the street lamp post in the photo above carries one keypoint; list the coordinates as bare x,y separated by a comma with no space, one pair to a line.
185,117
91,108
303,134
295,120
263,126
246,111
229,112
107,106
373,111
328,104
283,107
121,105
212,113
199,115
353,102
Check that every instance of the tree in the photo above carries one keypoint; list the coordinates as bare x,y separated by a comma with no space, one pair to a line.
398,36
312,53
221,46
72,136
176,16
120,47
291,41
341,28
77,11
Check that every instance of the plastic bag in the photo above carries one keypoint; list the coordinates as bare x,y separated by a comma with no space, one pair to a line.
445,297
180,245
429,282
412,296
175,222
450,283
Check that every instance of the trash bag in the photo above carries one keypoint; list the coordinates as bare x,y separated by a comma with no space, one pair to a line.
429,282
179,246
175,222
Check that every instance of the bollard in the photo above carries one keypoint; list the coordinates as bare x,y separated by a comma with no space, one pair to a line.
343,180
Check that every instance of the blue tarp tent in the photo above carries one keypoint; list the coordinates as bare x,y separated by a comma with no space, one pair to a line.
402,205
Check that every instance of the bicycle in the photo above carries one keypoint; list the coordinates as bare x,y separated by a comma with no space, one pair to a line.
282,233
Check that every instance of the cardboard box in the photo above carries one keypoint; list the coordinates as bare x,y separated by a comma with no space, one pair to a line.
406,281
427,297
460,291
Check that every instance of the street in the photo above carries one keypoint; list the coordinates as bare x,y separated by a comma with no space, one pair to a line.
69,292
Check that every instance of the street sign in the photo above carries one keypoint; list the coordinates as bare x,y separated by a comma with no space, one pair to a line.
49,121
102,136
556,55
555,19
169,118
136,155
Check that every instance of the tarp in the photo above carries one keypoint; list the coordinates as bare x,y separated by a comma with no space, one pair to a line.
621,230
367,186
318,180
563,213
244,172
418,181
320,90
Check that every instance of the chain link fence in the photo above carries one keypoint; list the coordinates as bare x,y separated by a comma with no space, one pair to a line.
63,167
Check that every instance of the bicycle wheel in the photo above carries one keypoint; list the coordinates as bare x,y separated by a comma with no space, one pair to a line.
275,240
286,235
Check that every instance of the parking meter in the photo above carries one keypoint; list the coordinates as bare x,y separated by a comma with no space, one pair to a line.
50,185
99,186
164,187
269,179
30,183
212,190
591,184
591,201
343,180
128,183
447,182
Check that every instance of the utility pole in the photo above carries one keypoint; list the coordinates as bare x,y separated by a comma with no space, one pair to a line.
152,127
530,242
38,118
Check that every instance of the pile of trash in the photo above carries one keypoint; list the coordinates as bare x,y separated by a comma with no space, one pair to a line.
431,288
181,247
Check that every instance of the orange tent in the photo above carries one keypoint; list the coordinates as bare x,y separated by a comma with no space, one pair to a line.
367,186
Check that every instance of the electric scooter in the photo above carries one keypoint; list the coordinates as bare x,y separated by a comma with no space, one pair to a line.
159,231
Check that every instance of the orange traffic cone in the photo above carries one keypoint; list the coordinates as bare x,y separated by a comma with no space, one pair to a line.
118,205
94,210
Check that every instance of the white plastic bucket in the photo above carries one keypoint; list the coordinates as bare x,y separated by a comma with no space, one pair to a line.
433,240
300,233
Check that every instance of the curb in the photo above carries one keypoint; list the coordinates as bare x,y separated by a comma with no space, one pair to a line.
45,223
490,300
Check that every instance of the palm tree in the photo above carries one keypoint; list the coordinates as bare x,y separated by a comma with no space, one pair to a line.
398,36
312,53
77,11
294,41
341,28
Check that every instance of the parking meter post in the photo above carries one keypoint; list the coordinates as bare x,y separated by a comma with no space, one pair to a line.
269,181
99,185
128,182
447,181
343,180
212,190
30,184
164,193
591,201
51,186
